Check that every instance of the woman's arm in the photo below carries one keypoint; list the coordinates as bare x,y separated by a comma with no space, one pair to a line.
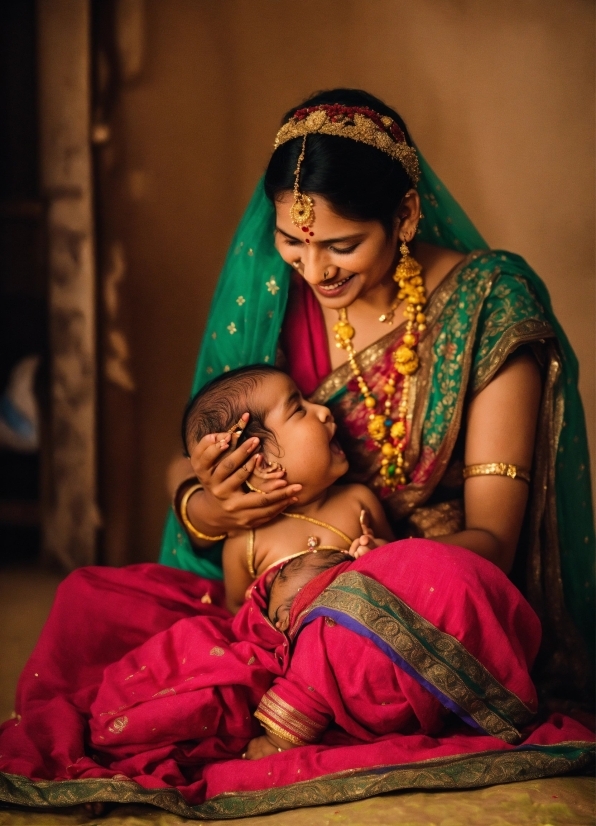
501,427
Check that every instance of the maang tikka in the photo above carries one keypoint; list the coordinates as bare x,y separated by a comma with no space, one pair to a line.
302,211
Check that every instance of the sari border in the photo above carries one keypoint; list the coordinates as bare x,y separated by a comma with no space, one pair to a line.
286,721
469,770
414,494
524,332
437,660
366,358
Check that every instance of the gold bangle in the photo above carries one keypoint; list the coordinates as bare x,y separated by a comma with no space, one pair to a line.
193,532
497,469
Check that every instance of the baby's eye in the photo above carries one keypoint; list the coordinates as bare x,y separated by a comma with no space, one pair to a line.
299,409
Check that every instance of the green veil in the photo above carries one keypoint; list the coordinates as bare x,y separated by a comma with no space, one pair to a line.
244,324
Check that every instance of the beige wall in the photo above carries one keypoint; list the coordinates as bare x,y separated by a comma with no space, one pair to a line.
498,95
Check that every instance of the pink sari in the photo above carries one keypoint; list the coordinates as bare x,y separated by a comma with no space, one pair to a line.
141,690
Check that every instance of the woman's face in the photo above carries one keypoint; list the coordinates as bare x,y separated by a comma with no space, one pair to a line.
357,255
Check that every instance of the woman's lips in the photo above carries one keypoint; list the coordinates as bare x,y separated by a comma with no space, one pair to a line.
333,290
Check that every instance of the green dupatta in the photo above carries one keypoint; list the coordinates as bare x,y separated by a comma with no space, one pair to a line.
243,327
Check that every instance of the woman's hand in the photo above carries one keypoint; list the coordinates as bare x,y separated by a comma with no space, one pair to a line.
222,468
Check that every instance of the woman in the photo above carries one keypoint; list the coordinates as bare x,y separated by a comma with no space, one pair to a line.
489,382
414,404
465,418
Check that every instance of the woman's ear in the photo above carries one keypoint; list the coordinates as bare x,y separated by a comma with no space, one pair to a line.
408,216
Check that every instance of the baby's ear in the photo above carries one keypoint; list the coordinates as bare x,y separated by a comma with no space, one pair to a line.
267,470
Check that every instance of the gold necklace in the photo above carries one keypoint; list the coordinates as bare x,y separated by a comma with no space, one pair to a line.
312,540
318,522
388,433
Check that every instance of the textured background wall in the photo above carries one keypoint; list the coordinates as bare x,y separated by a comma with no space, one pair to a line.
499,97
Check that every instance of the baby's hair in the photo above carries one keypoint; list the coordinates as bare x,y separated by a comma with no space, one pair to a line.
322,561
220,404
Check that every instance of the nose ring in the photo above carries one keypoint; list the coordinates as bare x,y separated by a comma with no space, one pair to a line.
296,264
325,275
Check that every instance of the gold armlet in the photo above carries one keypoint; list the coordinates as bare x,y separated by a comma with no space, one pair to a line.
193,532
497,469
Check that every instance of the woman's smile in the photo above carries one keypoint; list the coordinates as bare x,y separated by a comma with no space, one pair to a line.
335,289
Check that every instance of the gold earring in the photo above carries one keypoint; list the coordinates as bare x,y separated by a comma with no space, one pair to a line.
407,266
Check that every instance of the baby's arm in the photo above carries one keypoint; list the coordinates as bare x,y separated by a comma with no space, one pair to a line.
292,712
236,576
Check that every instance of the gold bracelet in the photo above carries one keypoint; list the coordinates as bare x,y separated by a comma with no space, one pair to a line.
497,469
193,532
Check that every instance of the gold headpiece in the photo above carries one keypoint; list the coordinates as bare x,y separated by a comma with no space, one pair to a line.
359,123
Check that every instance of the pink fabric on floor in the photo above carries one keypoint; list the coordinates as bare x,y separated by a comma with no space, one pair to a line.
135,677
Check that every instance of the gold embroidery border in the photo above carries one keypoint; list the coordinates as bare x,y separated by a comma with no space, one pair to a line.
567,650
381,619
461,771
269,725
274,708
367,357
405,500
524,332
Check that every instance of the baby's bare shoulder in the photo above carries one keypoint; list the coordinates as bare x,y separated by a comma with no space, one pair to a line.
358,496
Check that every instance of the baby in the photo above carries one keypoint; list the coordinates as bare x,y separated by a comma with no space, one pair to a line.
297,439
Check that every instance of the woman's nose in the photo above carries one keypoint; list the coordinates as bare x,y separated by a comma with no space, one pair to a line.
313,270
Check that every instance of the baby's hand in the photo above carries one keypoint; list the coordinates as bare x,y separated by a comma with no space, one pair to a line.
365,543
265,746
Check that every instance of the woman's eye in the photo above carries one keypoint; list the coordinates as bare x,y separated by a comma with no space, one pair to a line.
292,243
344,250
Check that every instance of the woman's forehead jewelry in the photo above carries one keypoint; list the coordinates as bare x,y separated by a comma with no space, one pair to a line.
302,210
387,430
358,123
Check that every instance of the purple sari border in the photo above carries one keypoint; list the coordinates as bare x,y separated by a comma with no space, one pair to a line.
353,625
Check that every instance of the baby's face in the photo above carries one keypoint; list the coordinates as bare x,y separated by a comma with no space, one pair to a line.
304,432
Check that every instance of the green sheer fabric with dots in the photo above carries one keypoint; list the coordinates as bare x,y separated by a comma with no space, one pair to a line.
243,328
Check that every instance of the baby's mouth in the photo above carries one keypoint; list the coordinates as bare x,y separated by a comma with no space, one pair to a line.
335,447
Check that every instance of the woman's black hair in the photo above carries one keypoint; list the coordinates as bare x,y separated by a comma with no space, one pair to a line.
219,405
360,182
